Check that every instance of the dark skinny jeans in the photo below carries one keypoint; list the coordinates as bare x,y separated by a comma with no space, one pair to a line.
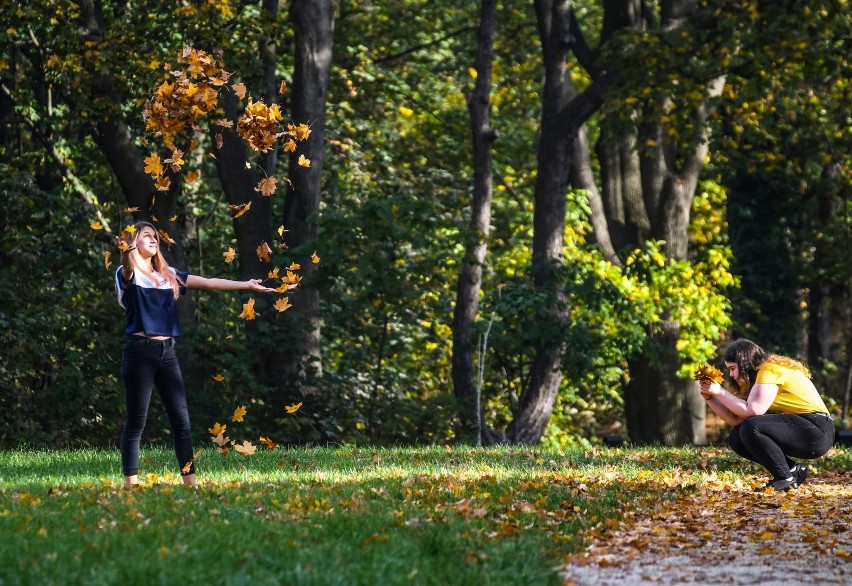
772,439
148,363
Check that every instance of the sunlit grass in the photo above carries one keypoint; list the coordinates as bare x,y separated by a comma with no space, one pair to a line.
335,515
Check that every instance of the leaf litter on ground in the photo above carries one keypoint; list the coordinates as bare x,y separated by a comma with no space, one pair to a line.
720,531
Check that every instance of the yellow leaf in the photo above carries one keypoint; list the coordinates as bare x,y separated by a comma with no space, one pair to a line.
293,408
282,89
217,429
229,254
248,312
153,166
218,378
290,146
96,225
282,305
304,161
239,413
314,258
240,209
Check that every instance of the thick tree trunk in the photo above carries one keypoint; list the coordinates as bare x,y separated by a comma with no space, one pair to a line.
554,158
313,21
662,408
470,280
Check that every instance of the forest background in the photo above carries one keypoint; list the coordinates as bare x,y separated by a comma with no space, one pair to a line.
513,221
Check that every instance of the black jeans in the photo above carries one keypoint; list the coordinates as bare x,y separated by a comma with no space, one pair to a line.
772,439
148,363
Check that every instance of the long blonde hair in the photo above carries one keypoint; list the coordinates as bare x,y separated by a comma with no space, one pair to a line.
158,261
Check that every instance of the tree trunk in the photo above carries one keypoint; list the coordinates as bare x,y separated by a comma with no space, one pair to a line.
313,21
662,408
470,280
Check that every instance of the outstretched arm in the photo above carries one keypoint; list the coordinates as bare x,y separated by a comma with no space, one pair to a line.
212,284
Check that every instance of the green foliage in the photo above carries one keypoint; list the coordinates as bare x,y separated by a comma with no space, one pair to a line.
60,346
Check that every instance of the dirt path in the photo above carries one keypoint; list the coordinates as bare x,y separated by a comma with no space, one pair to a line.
727,534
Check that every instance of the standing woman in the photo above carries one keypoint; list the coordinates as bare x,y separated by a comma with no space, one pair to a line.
783,416
148,289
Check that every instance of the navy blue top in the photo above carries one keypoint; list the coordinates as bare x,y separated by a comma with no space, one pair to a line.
150,307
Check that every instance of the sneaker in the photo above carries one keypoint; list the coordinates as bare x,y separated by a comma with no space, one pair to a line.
799,472
779,485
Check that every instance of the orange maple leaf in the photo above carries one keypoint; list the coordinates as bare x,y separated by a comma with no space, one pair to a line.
249,313
268,442
304,161
220,440
264,253
163,183
282,305
217,429
282,89
239,89
218,378
229,254
290,146
314,258
188,466
96,225
192,177
239,413
266,186
246,448
240,209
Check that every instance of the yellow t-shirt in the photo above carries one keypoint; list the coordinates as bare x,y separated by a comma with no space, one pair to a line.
796,392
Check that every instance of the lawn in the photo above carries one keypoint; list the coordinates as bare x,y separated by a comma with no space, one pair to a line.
331,515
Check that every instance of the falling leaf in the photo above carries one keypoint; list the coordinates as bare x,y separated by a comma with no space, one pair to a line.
188,466
239,89
173,218
264,253
153,167
282,89
293,408
248,310
266,186
165,236
314,258
281,231
218,378
304,161
241,209
132,210
290,146
163,184
301,132
273,274
294,266
96,225
239,413
282,305
246,448
229,254
224,123
219,439
192,177
217,429
107,261
268,442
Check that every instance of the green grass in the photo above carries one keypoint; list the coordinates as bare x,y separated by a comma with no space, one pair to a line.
336,515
